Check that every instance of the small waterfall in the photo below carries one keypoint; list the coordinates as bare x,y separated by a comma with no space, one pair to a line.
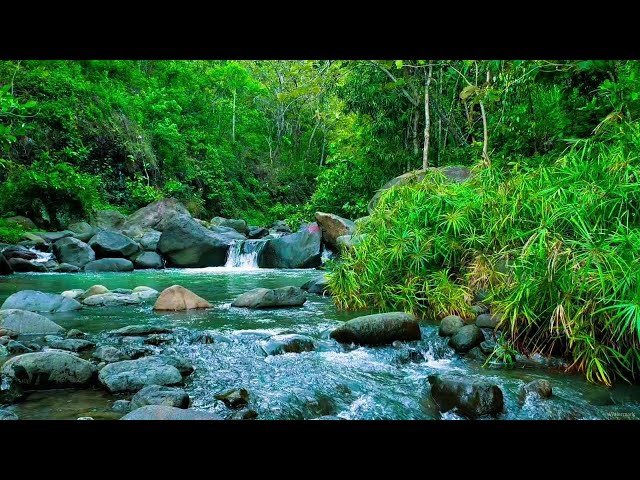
326,254
244,254
41,257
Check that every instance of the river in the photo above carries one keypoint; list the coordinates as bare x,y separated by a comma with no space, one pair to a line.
348,382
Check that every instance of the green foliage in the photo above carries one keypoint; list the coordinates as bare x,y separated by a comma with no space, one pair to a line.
10,232
556,245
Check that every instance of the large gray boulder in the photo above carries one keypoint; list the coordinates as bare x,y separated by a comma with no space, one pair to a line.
164,412
35,301
333,227
148,260
378,329
472,398
133,375
108,219
298,250
150,239
450,325
73,251
22,265
82,231
110,354
271,298
155,216
70,344
160,395
108,244
186,243
52,369
109,265
18,251
25,322
237,224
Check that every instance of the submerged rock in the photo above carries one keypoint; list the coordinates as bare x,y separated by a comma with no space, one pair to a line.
74,252
539,387
236,398
333,227
271,298
163,412
318,285
36,301
177,297
466,338
94,290
378,329
52,369
24,322
472,398
109,265
290,343
136,330
111,299
450,325
160,395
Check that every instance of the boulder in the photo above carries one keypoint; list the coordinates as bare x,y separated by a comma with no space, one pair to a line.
318,285
73,251
17,348
347,242
108,244
93,290
109,354
163,412
71,344
108,219
179,298
22,265
156,215
230,233
52,237
35,301
540,387
237,224
111,299
256,233
150,239
19,252
280,226
109,265
486,320
148,260
236,398
137,330
332,227
24,222
126,291
271,298
65,268
478,309
145,293
466,338
453,174
133,375
289,343
472,398
25,322
488,346
160,395
298,250
450,325
82,231
75,333
186,243
5,268
37,242
52,369
122,406
378,329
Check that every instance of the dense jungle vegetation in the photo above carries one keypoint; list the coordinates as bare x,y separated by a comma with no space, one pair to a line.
547,230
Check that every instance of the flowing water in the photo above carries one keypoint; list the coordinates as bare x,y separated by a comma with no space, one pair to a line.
349,382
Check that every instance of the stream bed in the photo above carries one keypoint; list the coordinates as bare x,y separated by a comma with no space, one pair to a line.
344,381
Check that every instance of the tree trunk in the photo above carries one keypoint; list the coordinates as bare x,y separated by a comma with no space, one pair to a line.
427,119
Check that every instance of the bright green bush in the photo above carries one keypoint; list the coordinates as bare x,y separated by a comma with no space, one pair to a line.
556,246
10,232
